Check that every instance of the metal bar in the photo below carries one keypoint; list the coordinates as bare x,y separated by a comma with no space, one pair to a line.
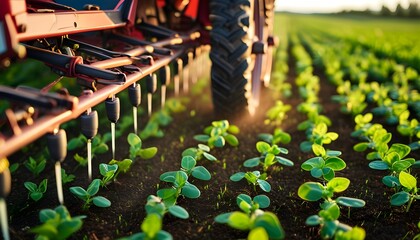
50,122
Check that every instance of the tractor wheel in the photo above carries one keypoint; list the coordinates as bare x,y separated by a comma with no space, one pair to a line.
231,38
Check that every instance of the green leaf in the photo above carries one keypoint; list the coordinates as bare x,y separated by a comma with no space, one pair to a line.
204,147
237,176
151,225
379,165
401,165
315,162
79,192
68,227
48,230
36,196
134,140
201,173
245,207
271,224
148,153
318,150
264,185
107,170
239,221
219,141
361,147
316,172
222,218
188,163
328,229
46,214
209,157
202,138
262,200
338,184
263,147
284,161
43,186
258,233
100,201
190,152
180,178
252,162
166,193
232,140
350,202
402,149
243,198
75,143
32,187
391,181
178,212
101,148
233,129
94,187
313,220
305,146
400,198
335,163
407,180
190,191
310,191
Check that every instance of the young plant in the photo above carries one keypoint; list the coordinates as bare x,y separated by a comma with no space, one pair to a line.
268,156
392,159
36,192
57,224
314,191
279,136
254,178
88,195
136,148
331,227
151,230
180,186
320,136
36,166
200,152
108,173
156,205
218,134
260,224
83,161
66,178
123,166
277,113
325,164
409,192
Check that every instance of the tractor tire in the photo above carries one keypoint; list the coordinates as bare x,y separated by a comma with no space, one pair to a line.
231,40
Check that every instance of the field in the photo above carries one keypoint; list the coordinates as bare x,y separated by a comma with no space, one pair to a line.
346,91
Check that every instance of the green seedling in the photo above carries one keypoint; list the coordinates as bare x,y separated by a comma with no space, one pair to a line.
180,186
392,159
108,173
136,148
218,134
409,192
279,136
314,191
200,152
269,156
156,205
88,195
36,166
353,102
325,164
260,224
406,127
320,136
314,118
378,140
57,224
123,166
66,178
83,161
36,192
277,113
151,229
14,167
330,227
254,178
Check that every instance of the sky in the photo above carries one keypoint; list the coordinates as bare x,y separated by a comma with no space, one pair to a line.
322,6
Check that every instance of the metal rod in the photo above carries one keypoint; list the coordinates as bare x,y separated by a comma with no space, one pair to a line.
89,155
4,219
135,119
113,139
149,104
163,95
59,183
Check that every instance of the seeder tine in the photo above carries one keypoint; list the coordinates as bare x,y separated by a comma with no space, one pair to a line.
178,76
113,112
151,85
57,147
134,94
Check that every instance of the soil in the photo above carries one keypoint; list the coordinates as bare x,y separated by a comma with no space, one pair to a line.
128,194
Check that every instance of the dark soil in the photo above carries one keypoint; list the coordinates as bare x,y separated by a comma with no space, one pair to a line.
128,195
